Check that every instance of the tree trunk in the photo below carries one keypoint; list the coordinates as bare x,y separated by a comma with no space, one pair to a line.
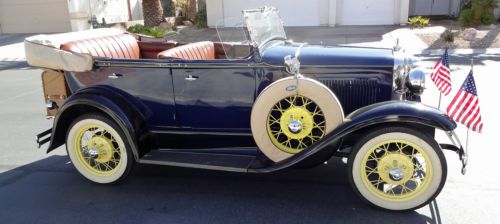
191,10
153,12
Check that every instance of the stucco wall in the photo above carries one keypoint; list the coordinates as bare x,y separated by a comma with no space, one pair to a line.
34,16
314,12
113,11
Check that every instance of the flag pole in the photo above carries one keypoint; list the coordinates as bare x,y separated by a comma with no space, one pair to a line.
468,129
439,103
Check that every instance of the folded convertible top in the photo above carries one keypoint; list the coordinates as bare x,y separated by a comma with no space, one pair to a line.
44,50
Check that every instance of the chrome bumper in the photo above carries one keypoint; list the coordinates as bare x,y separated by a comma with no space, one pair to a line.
43,137
458,148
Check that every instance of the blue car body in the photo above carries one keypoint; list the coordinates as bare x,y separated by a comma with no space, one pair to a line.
205,105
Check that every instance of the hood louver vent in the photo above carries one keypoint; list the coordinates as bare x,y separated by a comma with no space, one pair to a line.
353,93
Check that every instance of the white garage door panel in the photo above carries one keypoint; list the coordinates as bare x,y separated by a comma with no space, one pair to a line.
34,16
367,12
293,12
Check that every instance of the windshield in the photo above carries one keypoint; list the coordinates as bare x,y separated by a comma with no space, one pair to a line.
264,25
233,39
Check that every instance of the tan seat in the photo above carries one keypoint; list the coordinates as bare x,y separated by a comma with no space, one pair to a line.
114,46
195,51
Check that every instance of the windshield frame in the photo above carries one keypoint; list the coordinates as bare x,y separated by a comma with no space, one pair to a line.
252,26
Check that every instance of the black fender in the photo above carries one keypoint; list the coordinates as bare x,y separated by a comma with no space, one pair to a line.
128,113
396,112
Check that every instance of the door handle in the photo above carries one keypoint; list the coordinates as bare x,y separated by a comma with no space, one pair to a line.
114,75
191,78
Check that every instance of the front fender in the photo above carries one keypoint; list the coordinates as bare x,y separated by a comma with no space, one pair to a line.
103,100
380,113
400,111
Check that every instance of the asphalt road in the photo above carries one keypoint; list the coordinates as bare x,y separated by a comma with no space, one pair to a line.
40,188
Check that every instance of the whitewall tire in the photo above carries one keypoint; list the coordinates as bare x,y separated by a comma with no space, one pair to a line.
97,149
397,168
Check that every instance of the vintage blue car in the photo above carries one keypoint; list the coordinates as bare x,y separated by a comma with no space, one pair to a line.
256,106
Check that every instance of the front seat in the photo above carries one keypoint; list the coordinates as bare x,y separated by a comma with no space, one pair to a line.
195,51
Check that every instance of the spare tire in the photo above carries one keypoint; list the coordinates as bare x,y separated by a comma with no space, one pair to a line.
291,114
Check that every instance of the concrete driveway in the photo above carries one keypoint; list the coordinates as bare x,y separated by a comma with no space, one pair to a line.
40,188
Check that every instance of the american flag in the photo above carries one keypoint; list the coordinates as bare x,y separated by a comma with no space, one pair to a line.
441,74
464,108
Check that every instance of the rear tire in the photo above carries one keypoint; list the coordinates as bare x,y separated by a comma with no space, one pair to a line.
98,149
397,168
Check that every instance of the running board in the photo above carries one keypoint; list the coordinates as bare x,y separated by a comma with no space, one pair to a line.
224,162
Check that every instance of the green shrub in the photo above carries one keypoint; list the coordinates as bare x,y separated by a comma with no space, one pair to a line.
475,12
149,31
466,17
418,21
466,4
488,18
201,17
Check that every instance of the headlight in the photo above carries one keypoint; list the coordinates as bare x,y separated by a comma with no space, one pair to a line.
402,66
401,69
416,81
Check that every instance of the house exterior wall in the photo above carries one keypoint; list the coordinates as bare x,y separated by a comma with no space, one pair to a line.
48,16
314,12
113,11
34,16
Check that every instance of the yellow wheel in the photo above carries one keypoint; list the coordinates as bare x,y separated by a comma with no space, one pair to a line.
97,150
295,123
397,168
292,114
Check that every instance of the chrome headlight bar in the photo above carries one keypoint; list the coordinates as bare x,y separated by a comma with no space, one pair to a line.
406,77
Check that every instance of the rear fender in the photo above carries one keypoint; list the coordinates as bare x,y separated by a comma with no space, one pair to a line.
387,113
122,108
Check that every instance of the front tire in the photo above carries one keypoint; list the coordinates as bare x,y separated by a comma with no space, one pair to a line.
98,150
397,168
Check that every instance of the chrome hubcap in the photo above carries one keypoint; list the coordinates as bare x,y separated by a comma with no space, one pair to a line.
93,153
396,174
295,126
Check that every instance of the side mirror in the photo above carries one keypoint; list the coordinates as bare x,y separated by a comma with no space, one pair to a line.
292,65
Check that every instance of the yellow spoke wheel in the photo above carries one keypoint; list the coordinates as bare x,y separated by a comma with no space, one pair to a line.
397,168
295,123
97,149
292,114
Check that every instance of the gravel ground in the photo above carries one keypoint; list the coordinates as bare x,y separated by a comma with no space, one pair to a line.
487,36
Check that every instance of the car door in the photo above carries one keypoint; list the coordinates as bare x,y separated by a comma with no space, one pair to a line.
214,96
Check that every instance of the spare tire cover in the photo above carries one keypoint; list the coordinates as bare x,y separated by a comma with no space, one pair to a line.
275,128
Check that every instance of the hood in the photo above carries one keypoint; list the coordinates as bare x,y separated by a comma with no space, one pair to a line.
327,55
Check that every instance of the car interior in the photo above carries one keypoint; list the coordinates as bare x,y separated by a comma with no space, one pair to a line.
126,46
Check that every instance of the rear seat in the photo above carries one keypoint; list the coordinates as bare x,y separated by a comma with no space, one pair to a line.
115,46
195,51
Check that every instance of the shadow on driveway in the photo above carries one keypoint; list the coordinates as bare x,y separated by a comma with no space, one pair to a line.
9,65
51,191
7,39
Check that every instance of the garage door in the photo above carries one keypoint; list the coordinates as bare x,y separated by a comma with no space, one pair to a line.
34,16
293,12
367,12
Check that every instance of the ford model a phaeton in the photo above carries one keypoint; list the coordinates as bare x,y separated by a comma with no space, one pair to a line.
257,107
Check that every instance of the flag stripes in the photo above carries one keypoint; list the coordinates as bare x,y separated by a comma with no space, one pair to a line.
464,108
441,75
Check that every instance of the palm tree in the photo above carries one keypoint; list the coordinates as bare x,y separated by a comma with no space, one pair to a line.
153,12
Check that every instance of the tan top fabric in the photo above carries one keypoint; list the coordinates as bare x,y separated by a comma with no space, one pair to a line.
44,50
